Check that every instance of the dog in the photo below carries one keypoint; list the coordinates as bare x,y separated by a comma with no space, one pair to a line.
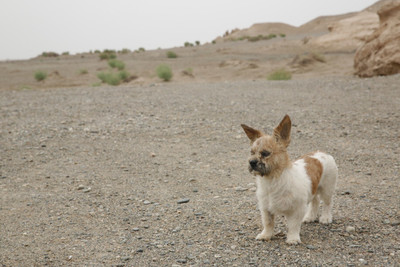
292,189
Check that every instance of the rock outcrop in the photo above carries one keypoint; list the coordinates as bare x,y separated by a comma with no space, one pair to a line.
348,33
380,55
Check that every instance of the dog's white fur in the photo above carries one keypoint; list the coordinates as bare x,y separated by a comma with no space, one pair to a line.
292,189
290,194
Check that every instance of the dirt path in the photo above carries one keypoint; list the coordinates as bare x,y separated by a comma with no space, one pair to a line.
93,176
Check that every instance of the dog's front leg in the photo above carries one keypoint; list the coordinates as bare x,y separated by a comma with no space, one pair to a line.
294,221
268,221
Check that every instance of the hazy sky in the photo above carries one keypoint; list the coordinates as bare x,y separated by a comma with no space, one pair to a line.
29,27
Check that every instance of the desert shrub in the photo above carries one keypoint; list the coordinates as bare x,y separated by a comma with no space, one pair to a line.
108,54
280,74
109,78
114,63
197,42
97,51
114,78
65,53
187,44
125,51
171,54
282,35
123,75
83,72
164,72
50,54
40,75
140,49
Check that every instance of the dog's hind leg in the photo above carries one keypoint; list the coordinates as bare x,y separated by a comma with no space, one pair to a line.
312,212
326,215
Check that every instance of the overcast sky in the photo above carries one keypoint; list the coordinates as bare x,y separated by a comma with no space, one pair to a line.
29,27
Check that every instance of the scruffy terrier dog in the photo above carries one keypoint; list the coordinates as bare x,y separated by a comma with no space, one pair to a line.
292,189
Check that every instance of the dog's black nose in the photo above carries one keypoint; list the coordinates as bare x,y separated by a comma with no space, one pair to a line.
253,163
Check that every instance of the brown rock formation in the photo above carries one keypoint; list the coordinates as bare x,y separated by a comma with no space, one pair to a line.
380,55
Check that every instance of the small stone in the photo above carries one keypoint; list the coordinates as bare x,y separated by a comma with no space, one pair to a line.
135,229
146,202
181,260
240,189
153,155
195,190
183,200
125,258
139,250
346,192
192,180
310,247
362,261
87,190
395,223
350,229
81,187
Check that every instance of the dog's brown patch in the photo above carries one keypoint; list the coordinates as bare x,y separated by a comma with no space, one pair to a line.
314,171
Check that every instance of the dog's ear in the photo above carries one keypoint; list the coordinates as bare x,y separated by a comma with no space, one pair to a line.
282,131
251,133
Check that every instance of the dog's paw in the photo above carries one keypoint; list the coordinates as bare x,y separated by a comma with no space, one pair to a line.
325,219
263,237
293,241
308,219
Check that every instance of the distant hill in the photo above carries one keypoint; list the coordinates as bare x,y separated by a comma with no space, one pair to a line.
316,27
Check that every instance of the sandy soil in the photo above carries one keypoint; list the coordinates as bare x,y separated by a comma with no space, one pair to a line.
230,61
93,175
150,173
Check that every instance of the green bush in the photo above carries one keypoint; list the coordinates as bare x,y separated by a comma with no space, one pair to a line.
114,63
108,54
164,72
171,54
280,74
113,78
40,75
50,54
123,75
125,51
109,78
187,44
83,72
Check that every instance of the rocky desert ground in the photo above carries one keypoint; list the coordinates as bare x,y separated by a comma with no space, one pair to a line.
153,173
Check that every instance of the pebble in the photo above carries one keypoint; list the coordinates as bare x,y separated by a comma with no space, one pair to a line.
127,258
146,202
395,223
350,229
135,229
240,189
310,247
183,200
87,190
181,261
139,250
81,187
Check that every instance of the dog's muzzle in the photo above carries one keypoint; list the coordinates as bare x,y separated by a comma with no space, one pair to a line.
258,168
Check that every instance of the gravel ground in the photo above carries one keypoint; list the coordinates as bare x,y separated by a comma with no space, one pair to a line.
157,175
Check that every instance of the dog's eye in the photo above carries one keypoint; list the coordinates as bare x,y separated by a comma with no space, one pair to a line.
252,152
265,153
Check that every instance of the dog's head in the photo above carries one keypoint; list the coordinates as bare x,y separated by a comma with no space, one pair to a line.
268,152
